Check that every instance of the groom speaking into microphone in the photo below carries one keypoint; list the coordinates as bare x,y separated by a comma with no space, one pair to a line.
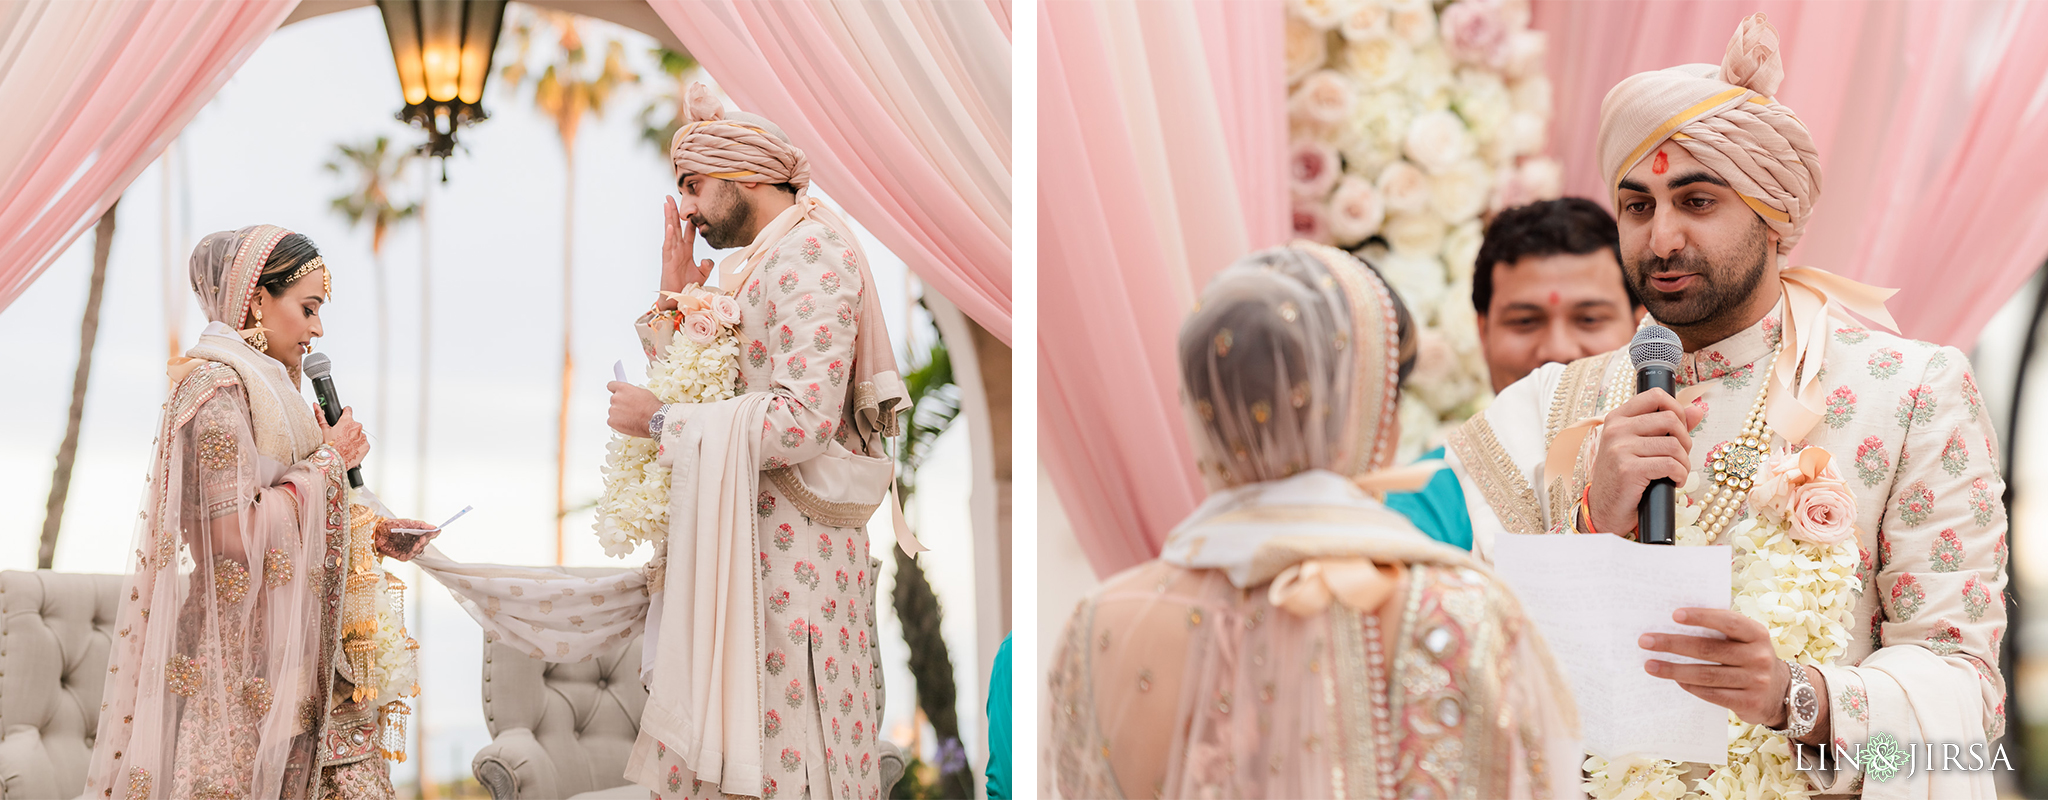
1852,471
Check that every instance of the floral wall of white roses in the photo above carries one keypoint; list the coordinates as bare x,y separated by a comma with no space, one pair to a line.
1410,123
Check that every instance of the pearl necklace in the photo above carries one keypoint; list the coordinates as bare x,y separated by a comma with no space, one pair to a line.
1735,462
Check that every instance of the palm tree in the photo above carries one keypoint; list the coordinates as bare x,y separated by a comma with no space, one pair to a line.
88,330
934,404
567,88
663,114
372,168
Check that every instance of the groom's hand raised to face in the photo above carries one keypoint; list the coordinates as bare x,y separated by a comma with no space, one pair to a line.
632,407
678,245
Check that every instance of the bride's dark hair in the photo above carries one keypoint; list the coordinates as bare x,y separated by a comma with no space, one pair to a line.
291,251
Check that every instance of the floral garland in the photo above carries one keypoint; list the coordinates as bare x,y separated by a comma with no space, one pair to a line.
1410,122
700,365
1795,572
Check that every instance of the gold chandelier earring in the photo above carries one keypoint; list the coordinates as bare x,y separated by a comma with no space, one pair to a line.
256,336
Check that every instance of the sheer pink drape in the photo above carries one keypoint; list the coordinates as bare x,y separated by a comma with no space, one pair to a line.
904,111
1161,146
93,91
1925,114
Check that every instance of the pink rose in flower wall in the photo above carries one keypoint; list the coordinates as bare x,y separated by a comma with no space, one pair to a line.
1312,169
1475,32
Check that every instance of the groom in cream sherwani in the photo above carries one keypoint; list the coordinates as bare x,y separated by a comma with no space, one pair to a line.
1713,182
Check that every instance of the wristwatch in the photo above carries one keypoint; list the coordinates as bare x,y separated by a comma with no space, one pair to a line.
1802,704
654,423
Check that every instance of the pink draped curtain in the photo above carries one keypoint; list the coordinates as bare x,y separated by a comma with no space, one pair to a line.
1162,137
904,110
1928,115
94,91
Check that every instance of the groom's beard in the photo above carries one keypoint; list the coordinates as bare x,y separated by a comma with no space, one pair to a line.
724,220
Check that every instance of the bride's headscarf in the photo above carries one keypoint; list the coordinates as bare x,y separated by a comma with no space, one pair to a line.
227,267
1293,361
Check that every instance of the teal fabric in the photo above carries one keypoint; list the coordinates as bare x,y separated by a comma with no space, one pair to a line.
999,724
1439,509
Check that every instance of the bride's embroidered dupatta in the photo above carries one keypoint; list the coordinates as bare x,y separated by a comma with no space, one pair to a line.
1296,638
221,679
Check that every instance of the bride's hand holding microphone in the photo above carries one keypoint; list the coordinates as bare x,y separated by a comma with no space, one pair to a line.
346,436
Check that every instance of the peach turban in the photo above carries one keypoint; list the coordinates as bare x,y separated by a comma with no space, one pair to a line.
734,146
1727,118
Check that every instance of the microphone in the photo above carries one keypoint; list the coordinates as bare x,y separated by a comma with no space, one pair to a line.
1655,351
320,368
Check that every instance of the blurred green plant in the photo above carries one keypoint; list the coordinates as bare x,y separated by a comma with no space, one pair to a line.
934,405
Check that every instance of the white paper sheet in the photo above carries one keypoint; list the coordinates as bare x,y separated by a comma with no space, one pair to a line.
1592,596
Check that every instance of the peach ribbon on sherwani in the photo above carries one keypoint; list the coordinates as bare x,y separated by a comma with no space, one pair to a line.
1811,297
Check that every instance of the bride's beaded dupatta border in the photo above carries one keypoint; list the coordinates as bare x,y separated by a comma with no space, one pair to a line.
1379,405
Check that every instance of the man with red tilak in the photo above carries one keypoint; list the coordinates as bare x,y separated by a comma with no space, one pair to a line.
1781,394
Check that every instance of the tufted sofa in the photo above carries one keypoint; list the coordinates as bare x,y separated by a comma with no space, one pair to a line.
56,630
565,730
560,730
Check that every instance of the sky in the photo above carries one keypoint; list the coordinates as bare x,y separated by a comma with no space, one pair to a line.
255,154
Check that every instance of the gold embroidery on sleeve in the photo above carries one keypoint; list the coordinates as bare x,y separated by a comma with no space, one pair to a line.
1500,483
217,448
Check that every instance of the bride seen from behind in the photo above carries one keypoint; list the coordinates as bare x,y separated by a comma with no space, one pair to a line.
1296,638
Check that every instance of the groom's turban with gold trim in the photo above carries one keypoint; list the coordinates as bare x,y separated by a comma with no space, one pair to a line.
1727,118
734,146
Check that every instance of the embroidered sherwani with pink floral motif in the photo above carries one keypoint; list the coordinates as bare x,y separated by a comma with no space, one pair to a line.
821,692
1915,443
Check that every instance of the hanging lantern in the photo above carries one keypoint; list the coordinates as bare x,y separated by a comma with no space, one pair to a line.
443,52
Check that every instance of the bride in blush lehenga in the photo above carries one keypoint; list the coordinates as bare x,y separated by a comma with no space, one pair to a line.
257,653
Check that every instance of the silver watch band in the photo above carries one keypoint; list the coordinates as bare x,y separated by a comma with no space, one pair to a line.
1802,704
654,422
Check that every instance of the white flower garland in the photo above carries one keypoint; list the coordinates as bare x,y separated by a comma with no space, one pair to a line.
1411,121
1802,592
634,506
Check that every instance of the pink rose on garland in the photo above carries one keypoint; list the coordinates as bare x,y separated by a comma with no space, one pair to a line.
1806,490
699,327
1774,485
725,310
1824,512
